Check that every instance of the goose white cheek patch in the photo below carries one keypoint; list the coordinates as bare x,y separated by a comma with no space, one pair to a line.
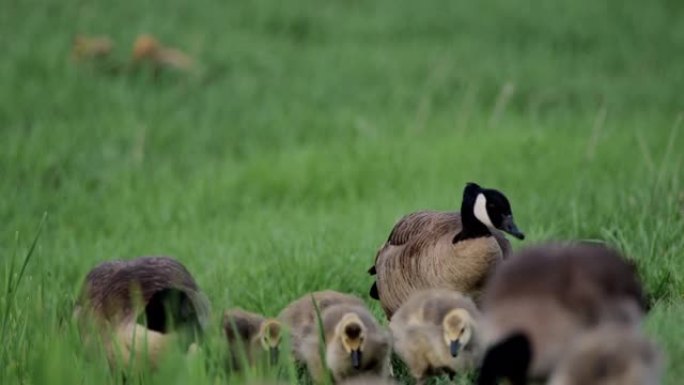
480,210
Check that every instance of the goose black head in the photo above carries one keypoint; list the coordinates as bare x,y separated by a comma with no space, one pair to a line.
488,207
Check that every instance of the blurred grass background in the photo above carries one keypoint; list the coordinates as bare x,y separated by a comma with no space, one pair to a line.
309,127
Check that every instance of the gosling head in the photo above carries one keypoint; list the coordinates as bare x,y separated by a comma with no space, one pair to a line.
457,325
489,207
269,337
352,334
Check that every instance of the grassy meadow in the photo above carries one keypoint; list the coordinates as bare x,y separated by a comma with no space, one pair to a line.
279,165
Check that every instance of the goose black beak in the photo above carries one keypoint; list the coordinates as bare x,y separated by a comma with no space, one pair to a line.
454,347
356,359
508,225
273,354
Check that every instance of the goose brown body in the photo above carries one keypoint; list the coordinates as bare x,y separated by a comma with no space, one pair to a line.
337,311
542,299
116,293
420,254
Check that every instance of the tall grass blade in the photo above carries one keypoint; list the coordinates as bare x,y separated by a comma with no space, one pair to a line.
13,285
321,339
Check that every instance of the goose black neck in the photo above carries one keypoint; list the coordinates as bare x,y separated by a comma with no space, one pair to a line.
471,226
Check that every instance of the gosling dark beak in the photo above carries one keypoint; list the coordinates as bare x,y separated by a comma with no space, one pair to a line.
273,354
508,225
356,359
454,347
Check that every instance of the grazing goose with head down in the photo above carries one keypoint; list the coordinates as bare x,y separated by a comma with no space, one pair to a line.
451,250
138,308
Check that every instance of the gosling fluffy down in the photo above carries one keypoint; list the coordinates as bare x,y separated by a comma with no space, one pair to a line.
538,302
139,306
451,250
300,315
251,337
610,355
369,380
355,344
435,332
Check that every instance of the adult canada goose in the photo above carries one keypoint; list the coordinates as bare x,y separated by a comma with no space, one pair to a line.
355,344
435,332
538,302
610,355
138,306
251,337
429,249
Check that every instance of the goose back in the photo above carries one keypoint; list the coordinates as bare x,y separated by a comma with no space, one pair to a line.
118,291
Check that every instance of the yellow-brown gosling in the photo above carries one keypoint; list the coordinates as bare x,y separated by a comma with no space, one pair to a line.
251,337
429,249
539,301
435,332
355,344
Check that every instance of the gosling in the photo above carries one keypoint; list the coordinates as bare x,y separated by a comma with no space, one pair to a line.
369,380
251,338
538,302
355,344
435,333
610,356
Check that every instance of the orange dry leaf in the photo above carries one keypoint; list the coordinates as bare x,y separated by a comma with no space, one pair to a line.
148,49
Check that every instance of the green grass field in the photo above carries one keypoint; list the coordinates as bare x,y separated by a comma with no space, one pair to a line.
279,166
